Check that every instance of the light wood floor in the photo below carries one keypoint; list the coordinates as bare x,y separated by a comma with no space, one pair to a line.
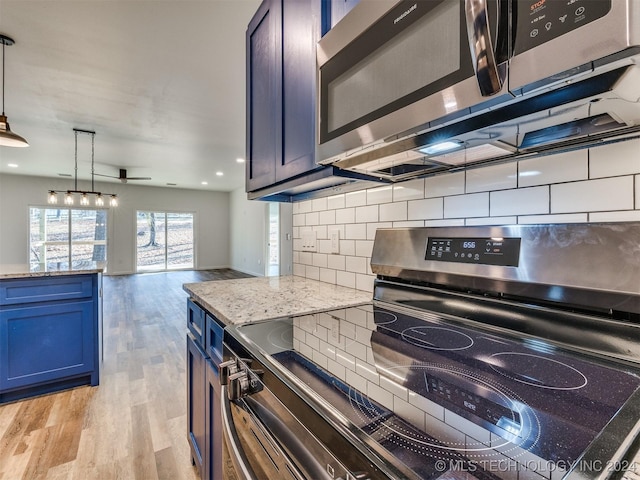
132,426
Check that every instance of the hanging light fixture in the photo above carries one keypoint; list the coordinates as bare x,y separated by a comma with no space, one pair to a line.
84,194
7,137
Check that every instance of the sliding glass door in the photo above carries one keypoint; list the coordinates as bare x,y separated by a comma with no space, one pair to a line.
164,241
60,238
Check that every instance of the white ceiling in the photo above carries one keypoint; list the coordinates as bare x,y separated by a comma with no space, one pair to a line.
161,82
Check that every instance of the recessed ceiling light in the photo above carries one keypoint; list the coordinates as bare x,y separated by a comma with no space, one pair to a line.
219,174
240,160
64,175
12,165
172,184
205,183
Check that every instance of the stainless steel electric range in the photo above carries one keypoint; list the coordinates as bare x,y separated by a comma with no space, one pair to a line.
486,352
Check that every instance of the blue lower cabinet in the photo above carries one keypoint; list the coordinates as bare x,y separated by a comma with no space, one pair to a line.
48,345
196,421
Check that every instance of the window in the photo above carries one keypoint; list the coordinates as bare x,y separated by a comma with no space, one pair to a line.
164,241
67,238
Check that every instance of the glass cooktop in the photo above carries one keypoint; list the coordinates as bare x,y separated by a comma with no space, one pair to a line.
446,399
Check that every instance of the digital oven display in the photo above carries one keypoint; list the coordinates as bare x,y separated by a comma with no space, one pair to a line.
504,252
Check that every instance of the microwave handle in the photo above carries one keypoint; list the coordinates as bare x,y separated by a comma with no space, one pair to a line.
489,76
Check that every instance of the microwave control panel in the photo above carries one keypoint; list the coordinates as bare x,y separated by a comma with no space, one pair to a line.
539,21
504,252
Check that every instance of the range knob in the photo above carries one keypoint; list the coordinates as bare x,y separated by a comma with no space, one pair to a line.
239,385
226,369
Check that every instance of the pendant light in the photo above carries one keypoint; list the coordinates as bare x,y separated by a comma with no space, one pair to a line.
7,137
69,195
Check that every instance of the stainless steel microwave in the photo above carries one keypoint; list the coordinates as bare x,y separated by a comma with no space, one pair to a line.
395,76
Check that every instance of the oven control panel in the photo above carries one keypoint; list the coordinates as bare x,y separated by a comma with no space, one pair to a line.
504,252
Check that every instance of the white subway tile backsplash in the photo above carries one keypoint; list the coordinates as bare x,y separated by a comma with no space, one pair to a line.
346,215
409,224
410,413
328,275
298,220
347,247
549,189
523,201
379,195
367,214
305,206
364,248
427,209
470,205
593,195
346,360
356,199
356,264
622,158
327,217
318,204
563,167
356,381
336,369
346,279
566,218
454,222
492,221
395,388
392,212
311,218
495,177
335,202
366,371
410,190
312,273
626,216
356,232
431,408
320,260
444,185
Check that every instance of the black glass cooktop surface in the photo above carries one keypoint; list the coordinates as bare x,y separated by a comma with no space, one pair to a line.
445,398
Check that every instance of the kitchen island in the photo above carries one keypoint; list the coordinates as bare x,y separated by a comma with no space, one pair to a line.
50,330
264,298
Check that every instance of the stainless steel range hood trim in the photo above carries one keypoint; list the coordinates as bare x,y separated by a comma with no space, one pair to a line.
573,92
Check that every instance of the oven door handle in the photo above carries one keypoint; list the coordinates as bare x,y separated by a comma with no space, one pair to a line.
241,465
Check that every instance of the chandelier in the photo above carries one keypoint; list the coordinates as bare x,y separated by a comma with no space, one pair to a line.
70,195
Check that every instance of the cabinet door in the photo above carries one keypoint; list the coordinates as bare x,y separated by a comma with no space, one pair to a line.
196,375
300,33
214,424
339,8
264,110
44,343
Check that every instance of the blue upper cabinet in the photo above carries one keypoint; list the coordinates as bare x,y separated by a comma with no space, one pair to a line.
281,68
339,8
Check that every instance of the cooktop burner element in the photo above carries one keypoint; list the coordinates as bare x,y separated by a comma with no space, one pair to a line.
538,371
437,338
384,318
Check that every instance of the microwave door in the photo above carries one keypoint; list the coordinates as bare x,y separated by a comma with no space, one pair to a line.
417,65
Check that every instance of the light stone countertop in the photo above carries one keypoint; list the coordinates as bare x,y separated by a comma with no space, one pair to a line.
263,298
8,276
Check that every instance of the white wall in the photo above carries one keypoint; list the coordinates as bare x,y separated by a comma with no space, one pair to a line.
600,184
248,233
210,209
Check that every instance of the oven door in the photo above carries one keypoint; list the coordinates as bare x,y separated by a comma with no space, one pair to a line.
389,68
264,441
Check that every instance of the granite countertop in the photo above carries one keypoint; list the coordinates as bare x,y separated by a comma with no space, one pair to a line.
50,273
263,298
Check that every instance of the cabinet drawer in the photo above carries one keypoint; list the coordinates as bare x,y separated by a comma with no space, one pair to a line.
45,289
195,321
214,331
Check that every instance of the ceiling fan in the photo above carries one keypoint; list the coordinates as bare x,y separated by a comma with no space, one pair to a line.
122,176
